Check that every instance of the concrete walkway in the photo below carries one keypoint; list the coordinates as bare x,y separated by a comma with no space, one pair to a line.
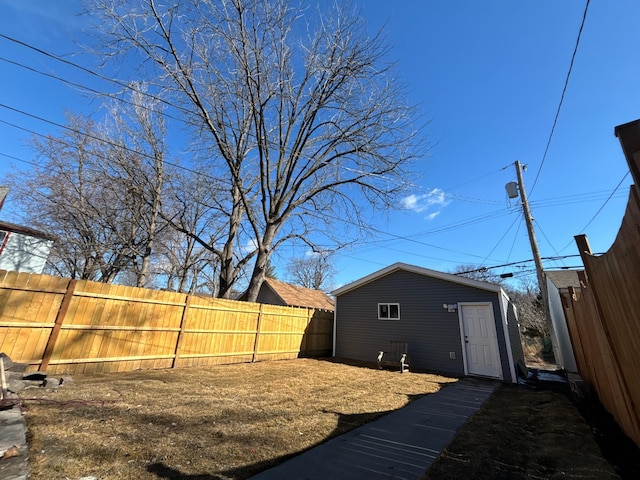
13,434
400,445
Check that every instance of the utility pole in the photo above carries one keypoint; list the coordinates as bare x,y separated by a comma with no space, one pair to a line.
542,284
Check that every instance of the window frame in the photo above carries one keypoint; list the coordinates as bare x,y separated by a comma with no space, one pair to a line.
389,310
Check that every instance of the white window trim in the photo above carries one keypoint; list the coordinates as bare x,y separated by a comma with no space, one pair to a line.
389,310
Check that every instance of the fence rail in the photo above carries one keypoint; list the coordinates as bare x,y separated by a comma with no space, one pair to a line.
77,326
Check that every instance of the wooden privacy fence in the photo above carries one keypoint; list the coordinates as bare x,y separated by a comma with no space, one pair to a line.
73,326
604,316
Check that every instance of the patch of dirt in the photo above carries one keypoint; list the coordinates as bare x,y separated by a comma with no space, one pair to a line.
520,433
224,422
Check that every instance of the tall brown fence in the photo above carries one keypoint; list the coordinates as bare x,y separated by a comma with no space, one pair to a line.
61,325
604,321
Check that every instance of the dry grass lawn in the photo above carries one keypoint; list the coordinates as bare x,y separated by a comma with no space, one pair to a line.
224,422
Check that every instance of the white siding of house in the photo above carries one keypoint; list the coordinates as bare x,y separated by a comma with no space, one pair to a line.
24,253
562,347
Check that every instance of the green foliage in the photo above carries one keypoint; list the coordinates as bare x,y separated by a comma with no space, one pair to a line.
270,270
547,347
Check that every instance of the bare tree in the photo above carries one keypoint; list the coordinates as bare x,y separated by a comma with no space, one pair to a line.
299,107
528,300
312,271
136,162
98,188
65,196
476,272
191,254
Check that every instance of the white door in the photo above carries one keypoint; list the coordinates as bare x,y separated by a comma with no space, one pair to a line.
480,341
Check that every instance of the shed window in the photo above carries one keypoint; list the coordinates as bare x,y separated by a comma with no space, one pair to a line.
389,311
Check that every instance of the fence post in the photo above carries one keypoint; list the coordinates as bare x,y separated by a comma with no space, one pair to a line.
258,328
53,337
180,339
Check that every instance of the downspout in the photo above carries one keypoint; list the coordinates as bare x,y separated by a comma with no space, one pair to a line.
335,313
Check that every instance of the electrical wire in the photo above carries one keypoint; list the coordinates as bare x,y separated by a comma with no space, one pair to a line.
520,262
89,71
546,238
424,190
599,210
395,237
124,85
99,93
564,91
18,159
515,238
108,142
500,240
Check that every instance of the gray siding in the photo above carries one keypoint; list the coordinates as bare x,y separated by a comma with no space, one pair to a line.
266,295
431,331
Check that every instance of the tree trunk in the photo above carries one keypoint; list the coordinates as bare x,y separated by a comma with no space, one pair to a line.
259,269
227,275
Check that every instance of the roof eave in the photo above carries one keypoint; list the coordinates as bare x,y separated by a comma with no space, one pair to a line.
420,271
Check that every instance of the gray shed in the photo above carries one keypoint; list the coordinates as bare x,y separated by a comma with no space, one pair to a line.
452,324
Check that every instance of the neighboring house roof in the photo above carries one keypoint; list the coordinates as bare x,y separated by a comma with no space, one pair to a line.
296,296
449,277
12,227
563,278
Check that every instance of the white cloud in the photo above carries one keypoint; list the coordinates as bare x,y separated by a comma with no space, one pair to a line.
249,247
428,201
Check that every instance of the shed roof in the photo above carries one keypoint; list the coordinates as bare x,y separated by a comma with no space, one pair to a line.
563,278
296,296
449,277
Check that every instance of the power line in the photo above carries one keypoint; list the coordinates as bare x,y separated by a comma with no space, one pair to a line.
425,190
515,238
546,238
99,93
500,240
605,202
89,71
520,262
599,210
398,237
94,137
18,159
564,90
395,237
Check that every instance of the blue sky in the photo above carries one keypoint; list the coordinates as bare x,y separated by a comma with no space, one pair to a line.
488,75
